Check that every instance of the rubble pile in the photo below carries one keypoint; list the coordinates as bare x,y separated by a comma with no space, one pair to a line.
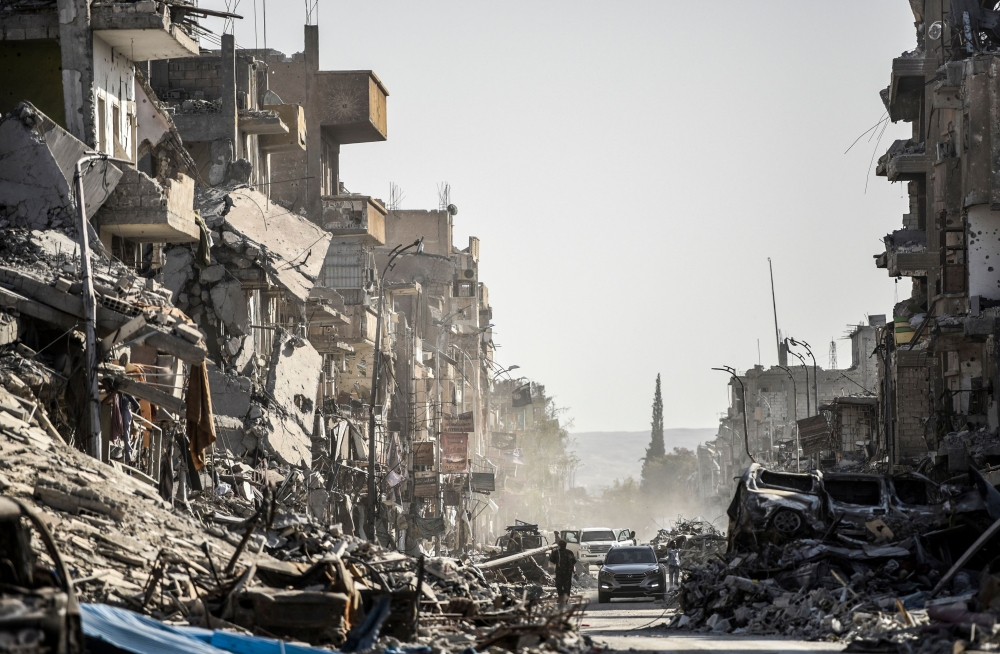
125,546
903,560
697,540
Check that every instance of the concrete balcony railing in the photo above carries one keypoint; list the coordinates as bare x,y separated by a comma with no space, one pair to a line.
294,137
142,210
143,30
904,161
355,215
905,94
906,254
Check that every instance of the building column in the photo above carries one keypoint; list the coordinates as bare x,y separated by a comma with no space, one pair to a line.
77,46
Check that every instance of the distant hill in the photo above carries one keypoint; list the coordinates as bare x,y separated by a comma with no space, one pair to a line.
609,455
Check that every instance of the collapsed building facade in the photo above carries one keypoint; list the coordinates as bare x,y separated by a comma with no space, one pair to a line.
190,295
872,517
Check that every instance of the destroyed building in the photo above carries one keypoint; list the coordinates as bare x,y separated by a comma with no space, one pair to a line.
211,348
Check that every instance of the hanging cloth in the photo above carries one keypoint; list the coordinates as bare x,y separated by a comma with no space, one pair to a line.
200,423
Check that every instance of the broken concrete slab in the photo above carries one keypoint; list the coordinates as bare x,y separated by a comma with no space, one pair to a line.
292,382
230,305
212,274
178,269
37,164
230,393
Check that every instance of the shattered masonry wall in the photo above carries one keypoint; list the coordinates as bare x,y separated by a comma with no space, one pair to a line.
136,190
189,77
912,404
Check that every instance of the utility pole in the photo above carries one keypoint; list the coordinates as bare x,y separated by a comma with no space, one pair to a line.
92,421
774,306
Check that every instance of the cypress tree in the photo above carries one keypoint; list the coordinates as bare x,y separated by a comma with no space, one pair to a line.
656,449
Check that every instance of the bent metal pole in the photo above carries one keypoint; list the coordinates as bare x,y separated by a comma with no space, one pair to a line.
92,421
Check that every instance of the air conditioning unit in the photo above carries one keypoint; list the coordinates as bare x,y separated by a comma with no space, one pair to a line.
469,273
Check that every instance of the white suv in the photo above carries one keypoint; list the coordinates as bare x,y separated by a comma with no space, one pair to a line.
595,543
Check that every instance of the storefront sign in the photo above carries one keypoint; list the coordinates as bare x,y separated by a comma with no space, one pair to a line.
462,423
425,486
454,452
423,453
483,482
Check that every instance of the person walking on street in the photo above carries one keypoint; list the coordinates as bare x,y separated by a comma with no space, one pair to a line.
564,561
674,564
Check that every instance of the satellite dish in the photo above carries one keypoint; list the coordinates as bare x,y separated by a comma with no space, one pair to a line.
452,209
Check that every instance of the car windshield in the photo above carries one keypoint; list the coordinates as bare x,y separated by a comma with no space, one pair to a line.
620,555
597,534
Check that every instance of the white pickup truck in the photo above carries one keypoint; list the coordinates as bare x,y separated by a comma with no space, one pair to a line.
592,543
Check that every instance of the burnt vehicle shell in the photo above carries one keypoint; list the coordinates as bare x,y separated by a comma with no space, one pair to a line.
41,613
775,506
855,499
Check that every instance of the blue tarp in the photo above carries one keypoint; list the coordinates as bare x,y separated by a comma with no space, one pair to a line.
143,635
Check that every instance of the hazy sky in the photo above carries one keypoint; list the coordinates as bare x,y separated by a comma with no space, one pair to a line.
629,167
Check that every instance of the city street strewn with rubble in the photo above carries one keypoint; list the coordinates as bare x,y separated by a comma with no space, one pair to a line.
265,388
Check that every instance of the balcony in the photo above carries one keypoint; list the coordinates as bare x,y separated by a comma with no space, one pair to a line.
906,254
261,122
293,138
905,94
904,161
144,30
355,215
142,210
351,106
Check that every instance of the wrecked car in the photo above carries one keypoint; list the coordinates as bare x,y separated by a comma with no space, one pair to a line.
856,500
778,506
38,607
775,506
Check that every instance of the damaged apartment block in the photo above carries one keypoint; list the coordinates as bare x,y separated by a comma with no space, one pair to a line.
241,394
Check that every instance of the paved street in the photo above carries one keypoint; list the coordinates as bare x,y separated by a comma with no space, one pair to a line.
621,626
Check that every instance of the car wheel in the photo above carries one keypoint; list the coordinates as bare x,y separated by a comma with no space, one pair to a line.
786,522
603,598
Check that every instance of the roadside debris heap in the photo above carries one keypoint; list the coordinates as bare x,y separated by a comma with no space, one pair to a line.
887,563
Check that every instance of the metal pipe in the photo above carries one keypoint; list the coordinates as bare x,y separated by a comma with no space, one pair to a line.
92,419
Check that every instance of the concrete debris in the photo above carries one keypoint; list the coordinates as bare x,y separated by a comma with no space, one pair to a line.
37,168
223,412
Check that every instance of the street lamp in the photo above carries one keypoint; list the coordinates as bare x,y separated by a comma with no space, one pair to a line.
377,362
504,371
746,430
815,374
795,413
806,369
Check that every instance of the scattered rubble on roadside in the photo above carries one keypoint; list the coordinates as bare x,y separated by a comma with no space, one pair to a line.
886,563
